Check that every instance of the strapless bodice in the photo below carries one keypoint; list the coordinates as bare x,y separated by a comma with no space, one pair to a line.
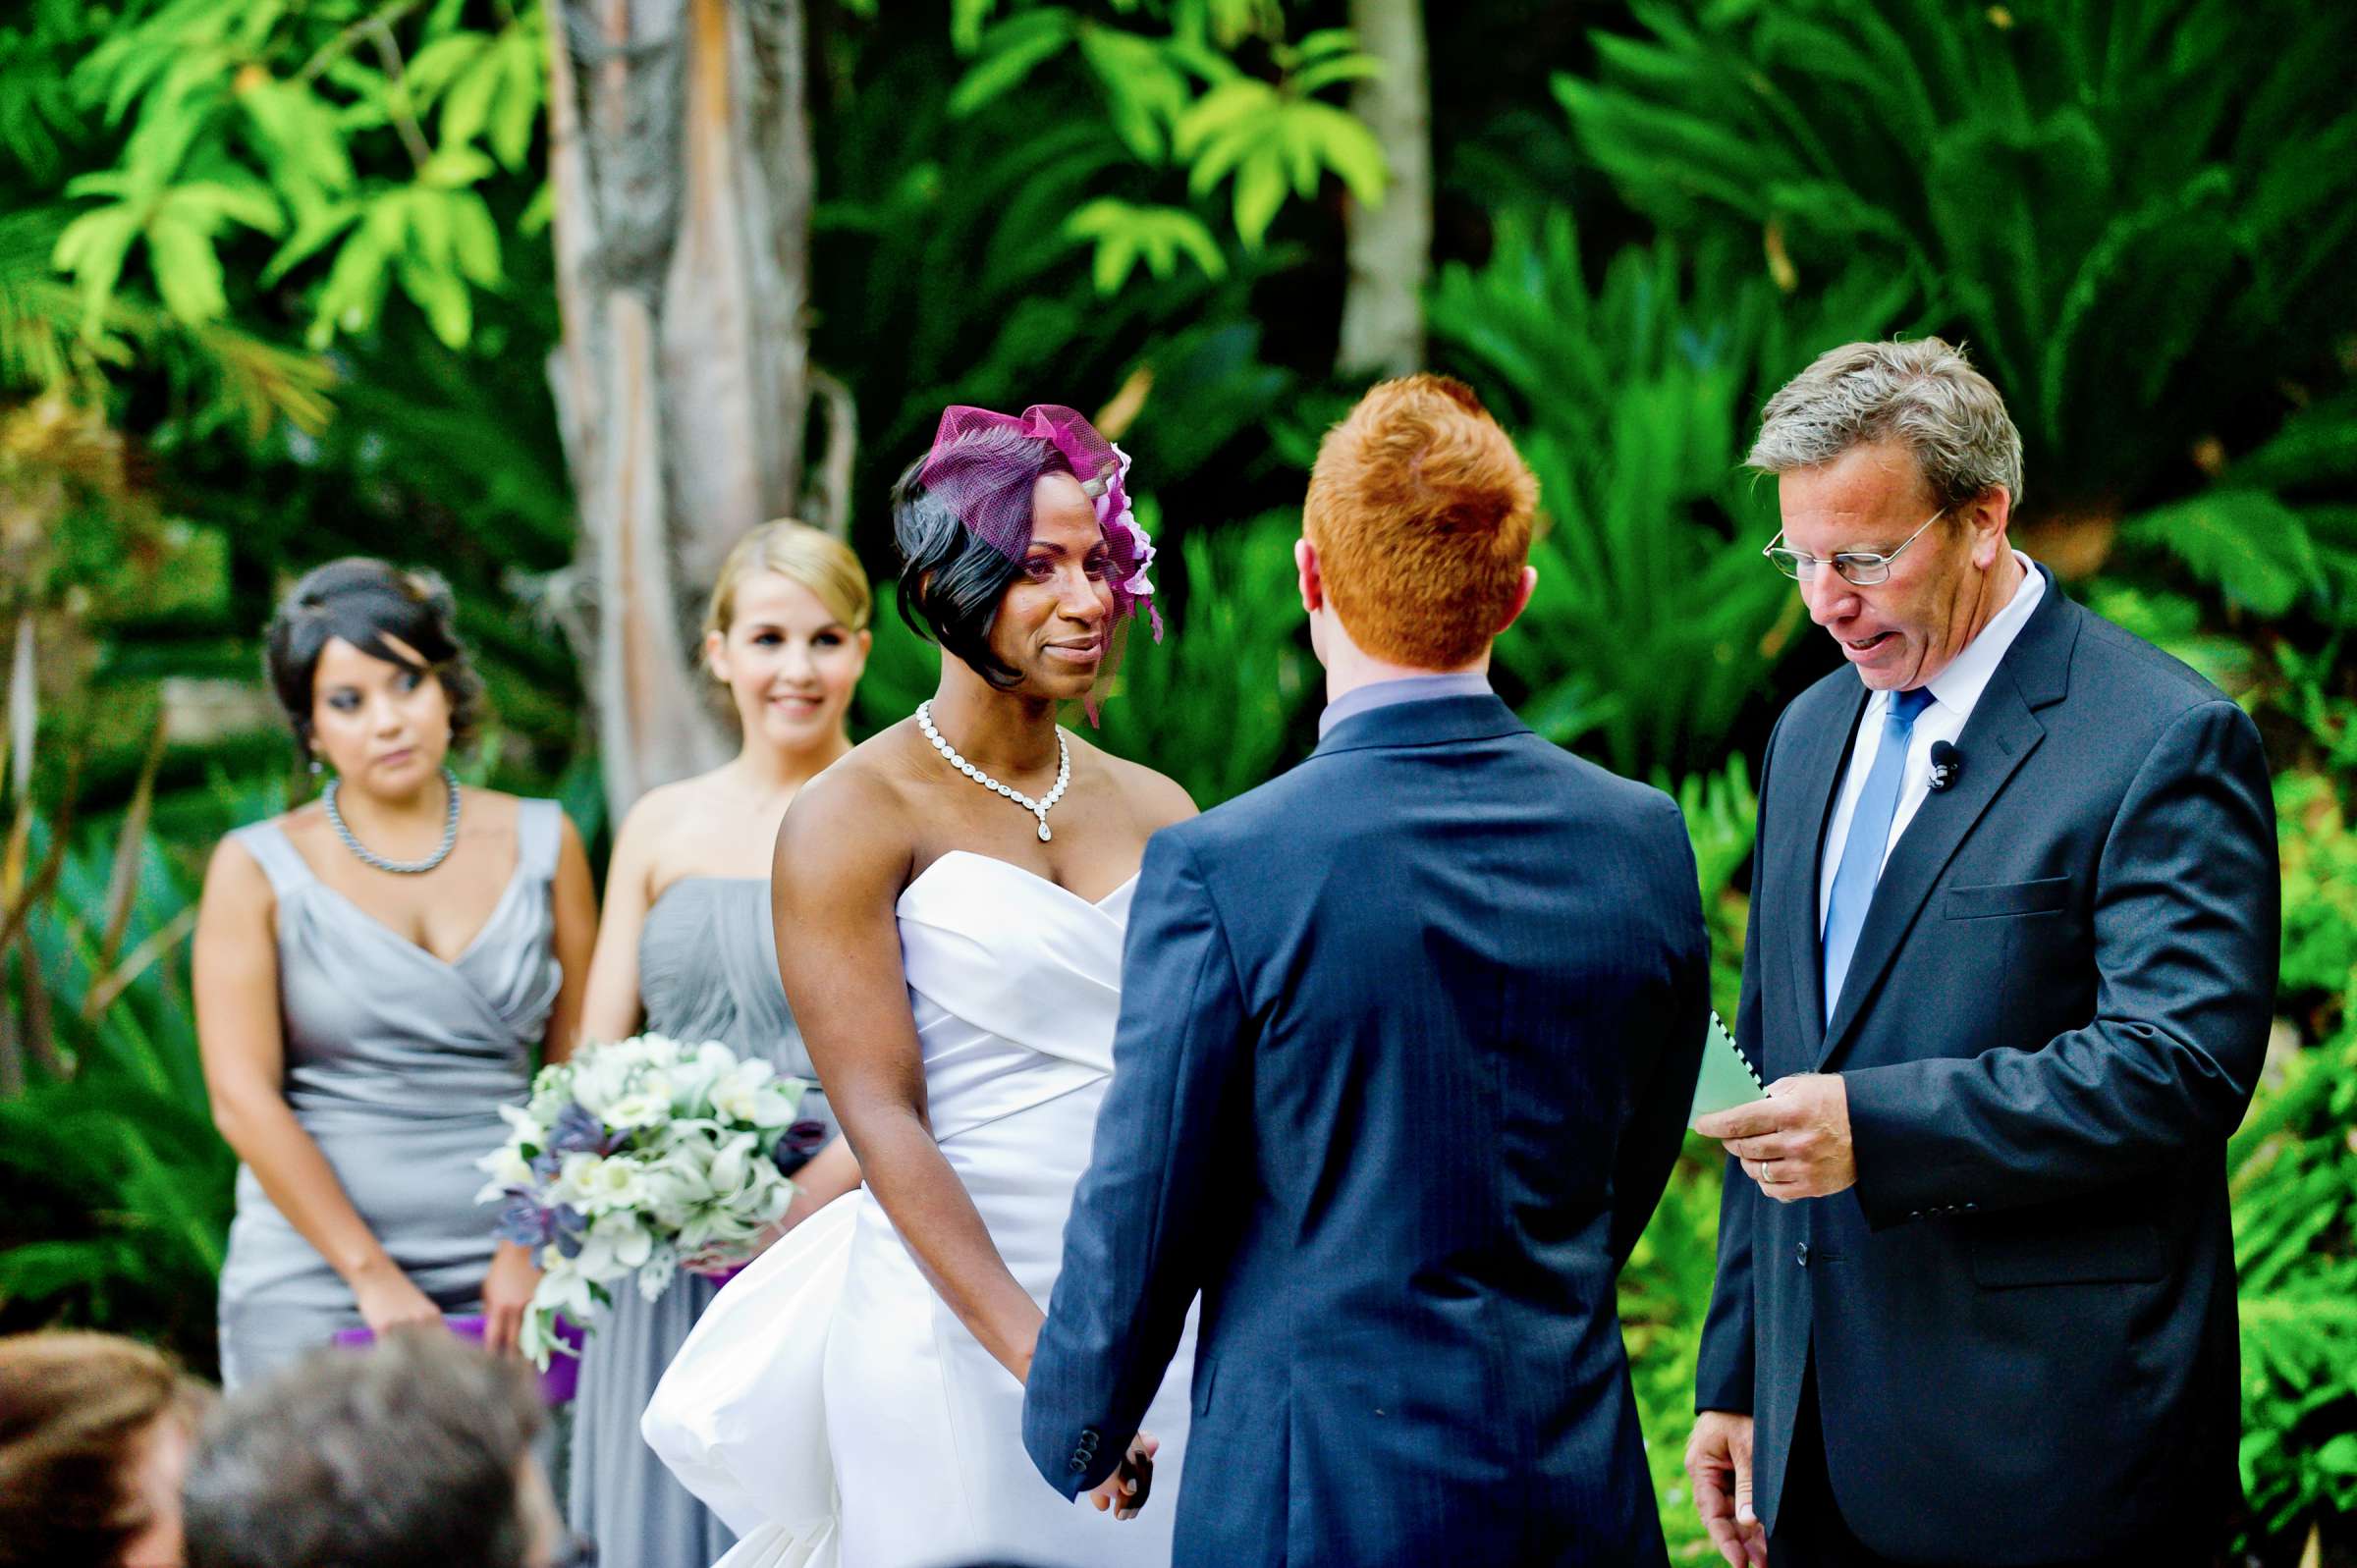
1014,982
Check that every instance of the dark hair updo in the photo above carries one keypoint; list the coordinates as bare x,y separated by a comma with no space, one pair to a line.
951,578
365,602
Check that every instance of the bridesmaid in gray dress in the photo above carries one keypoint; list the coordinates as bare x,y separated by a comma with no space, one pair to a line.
375,973
686,949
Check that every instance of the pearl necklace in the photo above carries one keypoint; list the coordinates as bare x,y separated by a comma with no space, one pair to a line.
1037,808
368,856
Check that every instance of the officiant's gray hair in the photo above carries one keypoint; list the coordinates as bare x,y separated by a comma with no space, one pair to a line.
1924,392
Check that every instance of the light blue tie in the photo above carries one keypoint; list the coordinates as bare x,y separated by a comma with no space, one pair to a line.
1869,834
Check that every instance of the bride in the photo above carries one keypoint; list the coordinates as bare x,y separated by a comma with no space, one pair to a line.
950,902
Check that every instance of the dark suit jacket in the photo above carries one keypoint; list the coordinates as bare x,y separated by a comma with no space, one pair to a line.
1406,1044
2022,1316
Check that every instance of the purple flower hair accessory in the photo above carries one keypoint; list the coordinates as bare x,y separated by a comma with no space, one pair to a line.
995,502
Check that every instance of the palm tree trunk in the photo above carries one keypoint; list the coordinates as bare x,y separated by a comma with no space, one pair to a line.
679,156
1389,247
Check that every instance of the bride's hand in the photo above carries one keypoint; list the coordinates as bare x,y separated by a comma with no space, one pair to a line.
1131,1482
715,1262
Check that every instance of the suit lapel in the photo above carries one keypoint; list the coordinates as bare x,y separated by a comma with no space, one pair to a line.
1997,740
1816,767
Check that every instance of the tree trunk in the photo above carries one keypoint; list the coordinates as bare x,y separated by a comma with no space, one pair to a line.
679,156
1391,246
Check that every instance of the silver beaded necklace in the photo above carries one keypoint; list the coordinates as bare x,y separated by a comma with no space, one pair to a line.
1037,808
368,856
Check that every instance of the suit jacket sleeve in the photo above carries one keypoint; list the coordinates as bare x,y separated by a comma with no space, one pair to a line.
2186,944
1665,1079
1146,1219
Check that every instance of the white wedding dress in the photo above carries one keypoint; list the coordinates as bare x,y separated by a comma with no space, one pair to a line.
828,1406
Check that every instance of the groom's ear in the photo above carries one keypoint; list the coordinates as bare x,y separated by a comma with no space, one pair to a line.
1522,592
1313,587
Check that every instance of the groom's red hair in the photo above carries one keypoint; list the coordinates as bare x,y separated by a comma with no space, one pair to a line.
1419,509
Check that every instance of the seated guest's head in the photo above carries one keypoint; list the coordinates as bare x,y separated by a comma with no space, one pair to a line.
414,1452
1897,473
94,1433
1415,539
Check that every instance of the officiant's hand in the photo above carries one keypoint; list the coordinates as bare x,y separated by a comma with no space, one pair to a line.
1795,1143
1125,1491
1719,1464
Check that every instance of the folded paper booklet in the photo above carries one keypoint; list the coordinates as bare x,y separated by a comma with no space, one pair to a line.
1727,1080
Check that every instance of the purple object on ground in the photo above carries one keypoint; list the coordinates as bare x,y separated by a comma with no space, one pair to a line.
557,1384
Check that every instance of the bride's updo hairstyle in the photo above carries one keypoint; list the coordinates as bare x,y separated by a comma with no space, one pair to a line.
364,602
1420,508
952,577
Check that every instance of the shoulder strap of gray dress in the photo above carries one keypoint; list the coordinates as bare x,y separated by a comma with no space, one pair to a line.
539,834
276,854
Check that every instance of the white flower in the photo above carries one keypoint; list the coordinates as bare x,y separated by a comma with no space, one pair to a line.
506,1167
645,1106
754,1097
616,1244
655,1273
604,1185
733,1166
602,1077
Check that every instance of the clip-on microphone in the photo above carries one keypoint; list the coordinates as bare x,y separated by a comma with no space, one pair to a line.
1948,765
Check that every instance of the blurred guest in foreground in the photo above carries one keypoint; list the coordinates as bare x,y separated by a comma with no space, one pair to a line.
94,1435
373,973
685,947
414,1452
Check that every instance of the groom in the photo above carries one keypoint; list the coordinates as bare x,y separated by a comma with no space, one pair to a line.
1408,1039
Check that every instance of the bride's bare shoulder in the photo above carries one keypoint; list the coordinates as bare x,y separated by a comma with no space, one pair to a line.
1154,800
860,809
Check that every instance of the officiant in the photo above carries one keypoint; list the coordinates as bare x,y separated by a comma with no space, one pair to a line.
2011,960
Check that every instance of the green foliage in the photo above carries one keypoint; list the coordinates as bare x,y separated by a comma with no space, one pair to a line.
117,1186
1665,1297
2139,214
308,125
1175,97
1655,620
2319,892
2295,1178
1220,703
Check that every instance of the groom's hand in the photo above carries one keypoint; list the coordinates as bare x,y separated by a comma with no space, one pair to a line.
1719,1464
1795,1143
1131,1482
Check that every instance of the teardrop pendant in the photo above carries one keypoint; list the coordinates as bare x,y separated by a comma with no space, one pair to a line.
1044,834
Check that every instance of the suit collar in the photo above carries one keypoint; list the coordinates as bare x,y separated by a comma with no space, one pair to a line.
2004,728
1433,722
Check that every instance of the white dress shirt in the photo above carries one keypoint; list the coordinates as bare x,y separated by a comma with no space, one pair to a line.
1953,690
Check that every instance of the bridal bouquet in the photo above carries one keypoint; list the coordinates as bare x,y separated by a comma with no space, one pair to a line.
631,1157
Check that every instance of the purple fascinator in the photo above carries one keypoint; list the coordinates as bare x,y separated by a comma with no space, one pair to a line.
993,498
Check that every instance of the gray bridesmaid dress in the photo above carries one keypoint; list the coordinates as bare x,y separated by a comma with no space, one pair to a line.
397,1064
707,970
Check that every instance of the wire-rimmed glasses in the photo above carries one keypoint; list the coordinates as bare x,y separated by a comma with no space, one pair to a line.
1861,569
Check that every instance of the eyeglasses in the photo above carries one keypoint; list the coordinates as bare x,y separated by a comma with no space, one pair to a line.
1861,569
579,1551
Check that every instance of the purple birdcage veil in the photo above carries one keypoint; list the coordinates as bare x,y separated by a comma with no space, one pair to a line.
993,497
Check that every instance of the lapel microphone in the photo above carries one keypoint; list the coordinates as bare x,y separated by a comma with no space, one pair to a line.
1948,765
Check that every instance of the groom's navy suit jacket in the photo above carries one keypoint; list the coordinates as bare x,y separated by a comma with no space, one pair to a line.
2021,1318
1407,1040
